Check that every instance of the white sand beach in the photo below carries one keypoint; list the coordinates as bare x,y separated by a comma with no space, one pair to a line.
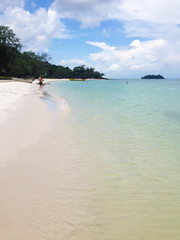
23,117
65,180
37,147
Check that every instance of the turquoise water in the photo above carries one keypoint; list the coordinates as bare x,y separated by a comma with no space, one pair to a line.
129,136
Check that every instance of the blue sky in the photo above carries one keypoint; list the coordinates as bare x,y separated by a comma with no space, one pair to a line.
121,38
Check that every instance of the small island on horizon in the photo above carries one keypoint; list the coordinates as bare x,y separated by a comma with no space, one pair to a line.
153,77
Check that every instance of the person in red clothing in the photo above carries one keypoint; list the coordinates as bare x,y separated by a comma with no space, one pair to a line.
40,81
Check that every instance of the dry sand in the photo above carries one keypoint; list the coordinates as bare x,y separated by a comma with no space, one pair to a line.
38,162
24,117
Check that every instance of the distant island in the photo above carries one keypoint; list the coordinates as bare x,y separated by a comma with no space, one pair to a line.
153,77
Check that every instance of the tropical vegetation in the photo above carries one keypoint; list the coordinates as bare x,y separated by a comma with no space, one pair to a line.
15,63
153,77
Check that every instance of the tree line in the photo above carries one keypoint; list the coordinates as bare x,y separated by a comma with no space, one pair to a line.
14,63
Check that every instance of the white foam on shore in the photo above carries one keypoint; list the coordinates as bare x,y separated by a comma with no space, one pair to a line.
62,104
65,106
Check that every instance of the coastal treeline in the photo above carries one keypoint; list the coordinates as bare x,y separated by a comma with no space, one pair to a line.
15,63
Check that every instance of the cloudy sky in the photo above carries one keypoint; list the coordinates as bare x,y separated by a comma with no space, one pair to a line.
121,38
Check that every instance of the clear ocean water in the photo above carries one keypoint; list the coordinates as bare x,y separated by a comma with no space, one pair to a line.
129,138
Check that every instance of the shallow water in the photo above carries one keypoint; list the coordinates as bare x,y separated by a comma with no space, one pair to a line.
128,136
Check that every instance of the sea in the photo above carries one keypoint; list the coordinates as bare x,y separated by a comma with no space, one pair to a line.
128,134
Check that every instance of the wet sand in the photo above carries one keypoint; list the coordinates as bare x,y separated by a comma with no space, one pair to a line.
44,191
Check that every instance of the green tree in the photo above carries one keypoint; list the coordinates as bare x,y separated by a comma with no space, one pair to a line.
44,57
83,72
79,71
29,64
8,38
9,49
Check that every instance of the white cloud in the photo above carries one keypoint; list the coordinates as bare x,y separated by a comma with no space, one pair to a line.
149,11
157,20
141,18
35,30
9,3
146,56
101,45
89,12
71,63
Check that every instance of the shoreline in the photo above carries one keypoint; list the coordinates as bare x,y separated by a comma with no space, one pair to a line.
24,116
45,192
60,179
13,92
39,156
19,109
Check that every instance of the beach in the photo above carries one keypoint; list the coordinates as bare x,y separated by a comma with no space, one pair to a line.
36,168
21,114
89,160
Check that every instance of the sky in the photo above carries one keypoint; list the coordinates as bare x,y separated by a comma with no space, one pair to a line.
120,38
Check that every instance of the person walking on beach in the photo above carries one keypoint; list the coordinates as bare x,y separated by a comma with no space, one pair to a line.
40,81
